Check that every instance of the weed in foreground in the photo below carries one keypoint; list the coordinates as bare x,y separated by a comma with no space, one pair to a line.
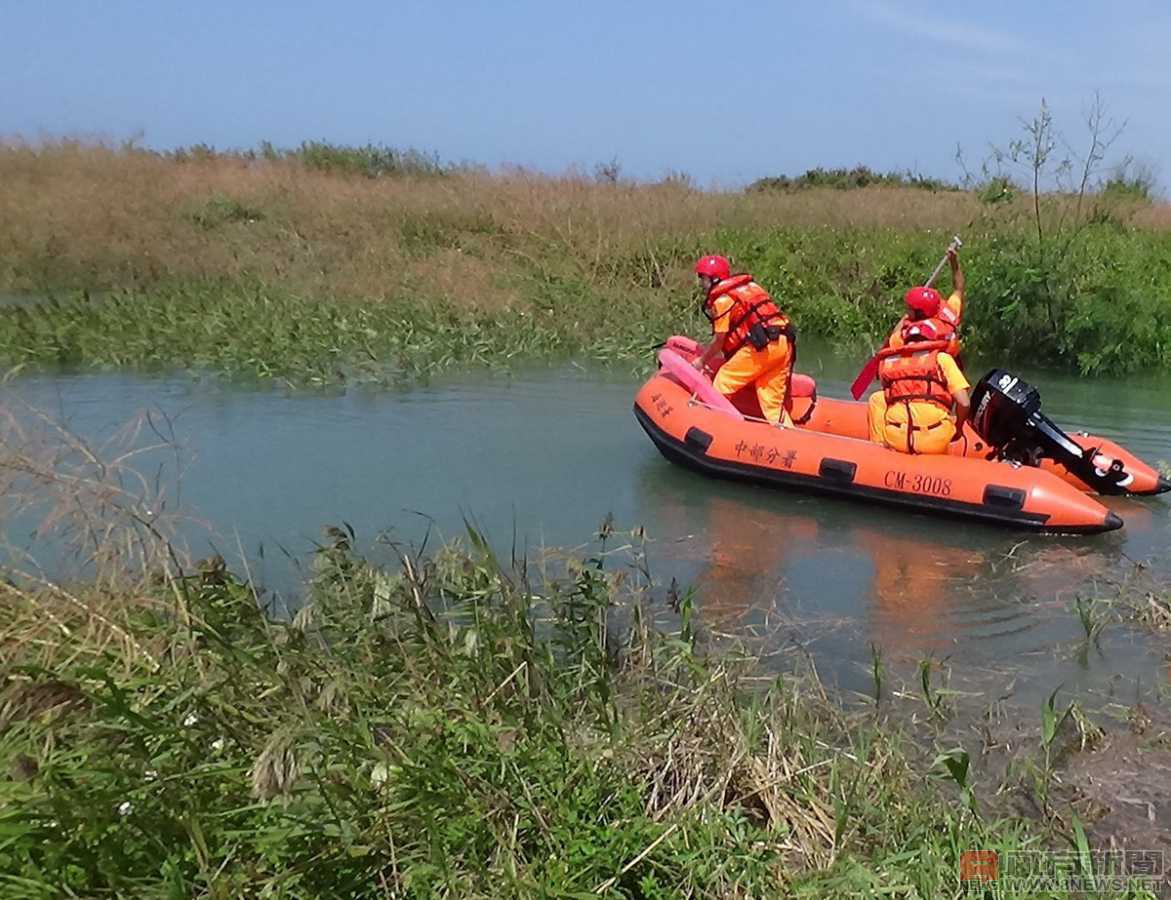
446,727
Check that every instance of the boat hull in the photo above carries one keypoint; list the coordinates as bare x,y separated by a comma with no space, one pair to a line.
714,443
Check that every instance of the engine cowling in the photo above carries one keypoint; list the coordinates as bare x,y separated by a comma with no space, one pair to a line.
1006,412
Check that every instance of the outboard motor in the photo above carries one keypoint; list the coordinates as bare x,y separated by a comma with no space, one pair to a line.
1006,412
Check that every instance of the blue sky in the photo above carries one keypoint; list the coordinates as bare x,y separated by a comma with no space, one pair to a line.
726,92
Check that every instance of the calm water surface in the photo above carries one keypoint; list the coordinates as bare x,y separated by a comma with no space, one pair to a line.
548,453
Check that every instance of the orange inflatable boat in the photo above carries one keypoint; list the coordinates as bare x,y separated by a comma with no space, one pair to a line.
1017,468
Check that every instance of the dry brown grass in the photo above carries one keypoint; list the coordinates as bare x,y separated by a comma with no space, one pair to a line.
711,758
103,531
93,501
77,215
80,215
1155,216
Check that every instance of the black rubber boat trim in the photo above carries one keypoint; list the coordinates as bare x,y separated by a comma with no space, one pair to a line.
689,455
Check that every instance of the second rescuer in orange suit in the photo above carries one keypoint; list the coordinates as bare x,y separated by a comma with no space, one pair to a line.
755,338
922,383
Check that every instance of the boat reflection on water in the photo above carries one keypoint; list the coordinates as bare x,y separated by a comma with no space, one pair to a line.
912,585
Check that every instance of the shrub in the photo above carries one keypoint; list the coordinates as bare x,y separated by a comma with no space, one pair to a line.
220,209
847,179
371,160
998,189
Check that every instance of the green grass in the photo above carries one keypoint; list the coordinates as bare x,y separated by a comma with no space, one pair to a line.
1102,316
452,727
259,333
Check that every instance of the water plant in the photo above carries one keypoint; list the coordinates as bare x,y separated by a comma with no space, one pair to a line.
877,672
1091,618
1052,722
256,333
938,699
956,762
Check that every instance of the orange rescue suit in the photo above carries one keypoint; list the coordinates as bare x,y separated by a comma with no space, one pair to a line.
759,344
911,413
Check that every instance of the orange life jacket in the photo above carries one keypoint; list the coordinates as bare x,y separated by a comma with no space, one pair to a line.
941,327
751,306
913,373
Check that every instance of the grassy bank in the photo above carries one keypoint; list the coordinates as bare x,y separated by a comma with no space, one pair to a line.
454,727
206,255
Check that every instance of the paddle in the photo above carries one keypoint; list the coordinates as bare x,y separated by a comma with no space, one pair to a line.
858,388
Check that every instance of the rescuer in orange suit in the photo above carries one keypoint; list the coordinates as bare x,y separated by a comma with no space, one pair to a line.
925,304
921,383
932,319
755,338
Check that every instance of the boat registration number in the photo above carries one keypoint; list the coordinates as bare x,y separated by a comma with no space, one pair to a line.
918,482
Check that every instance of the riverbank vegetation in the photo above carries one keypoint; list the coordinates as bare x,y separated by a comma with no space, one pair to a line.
451,726
326,262
462,723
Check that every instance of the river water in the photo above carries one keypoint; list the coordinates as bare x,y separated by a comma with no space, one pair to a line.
548,453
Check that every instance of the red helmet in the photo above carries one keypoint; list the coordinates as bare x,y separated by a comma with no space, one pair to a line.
925,300
716,267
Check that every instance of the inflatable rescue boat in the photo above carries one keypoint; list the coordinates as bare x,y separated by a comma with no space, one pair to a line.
1011,466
